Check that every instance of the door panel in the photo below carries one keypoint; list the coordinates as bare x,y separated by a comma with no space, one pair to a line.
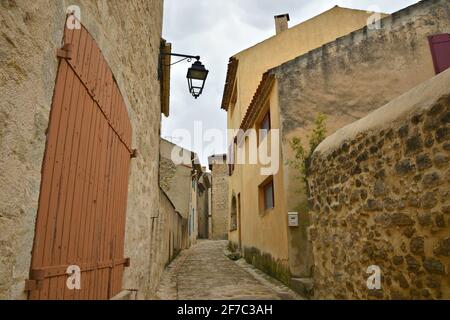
83,196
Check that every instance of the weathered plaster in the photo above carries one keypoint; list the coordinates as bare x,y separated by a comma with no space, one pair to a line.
129,37
345,80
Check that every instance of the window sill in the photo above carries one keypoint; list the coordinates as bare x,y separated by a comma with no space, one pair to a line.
266,212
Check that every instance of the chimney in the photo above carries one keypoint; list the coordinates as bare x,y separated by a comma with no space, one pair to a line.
281,23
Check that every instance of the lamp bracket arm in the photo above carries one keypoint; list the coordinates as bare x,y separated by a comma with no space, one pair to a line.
181,60
186,56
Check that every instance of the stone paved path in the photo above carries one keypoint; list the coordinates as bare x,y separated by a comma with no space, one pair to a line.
204,272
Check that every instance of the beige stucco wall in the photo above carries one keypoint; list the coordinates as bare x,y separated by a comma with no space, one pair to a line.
129,37
193,213
380,188
295,41
264,236
179,181
345,80
202,205
176,179
168,234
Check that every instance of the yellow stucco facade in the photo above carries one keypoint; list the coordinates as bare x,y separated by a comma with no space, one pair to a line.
287,45
263,236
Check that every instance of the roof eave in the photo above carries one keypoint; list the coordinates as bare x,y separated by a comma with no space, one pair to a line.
229,82
259,98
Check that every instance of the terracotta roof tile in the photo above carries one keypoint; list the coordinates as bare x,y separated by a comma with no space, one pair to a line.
229,82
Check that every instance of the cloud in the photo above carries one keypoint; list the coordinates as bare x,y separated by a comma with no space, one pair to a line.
217,29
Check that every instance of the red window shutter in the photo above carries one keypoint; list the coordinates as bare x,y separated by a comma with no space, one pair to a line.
440,51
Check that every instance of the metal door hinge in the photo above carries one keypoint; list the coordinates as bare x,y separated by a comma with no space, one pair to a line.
65,52
31,285
35,282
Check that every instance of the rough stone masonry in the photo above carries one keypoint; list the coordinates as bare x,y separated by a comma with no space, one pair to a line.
219,202
380,191
129,36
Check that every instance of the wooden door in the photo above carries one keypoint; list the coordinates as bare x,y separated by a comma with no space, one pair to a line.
83,196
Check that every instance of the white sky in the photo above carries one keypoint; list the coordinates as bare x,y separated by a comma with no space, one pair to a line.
217,29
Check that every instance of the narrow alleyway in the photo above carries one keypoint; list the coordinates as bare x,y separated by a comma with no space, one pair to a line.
204,272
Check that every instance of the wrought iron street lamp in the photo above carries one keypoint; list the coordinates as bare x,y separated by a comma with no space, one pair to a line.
196,75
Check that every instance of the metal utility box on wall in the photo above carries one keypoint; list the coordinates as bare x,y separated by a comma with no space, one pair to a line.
293,219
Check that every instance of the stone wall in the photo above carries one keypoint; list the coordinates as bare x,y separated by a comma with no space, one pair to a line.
168,235
345,80
167,172
380,189
219,201
176,180
128,33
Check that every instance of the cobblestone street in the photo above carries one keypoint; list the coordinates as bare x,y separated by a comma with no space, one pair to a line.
204,272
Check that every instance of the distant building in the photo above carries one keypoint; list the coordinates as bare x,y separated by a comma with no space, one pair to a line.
219,218
203,195
183,180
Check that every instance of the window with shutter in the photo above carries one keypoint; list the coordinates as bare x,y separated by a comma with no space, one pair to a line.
440,51
266,195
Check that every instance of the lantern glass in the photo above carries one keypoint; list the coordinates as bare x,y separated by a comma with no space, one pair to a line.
196,77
